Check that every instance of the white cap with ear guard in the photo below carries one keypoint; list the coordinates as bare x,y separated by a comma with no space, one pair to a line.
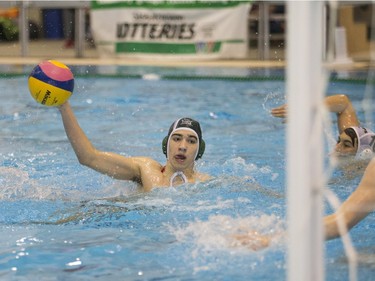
366,142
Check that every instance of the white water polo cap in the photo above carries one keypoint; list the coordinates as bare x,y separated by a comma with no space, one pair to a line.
185,124
366,142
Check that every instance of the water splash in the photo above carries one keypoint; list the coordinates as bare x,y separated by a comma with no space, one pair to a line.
151,76
225,233
16,184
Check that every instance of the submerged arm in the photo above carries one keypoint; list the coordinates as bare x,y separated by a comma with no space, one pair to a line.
359,204
112,164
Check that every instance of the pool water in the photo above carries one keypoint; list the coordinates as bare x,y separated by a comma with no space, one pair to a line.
62,221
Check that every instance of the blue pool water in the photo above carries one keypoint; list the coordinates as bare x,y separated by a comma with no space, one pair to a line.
63,221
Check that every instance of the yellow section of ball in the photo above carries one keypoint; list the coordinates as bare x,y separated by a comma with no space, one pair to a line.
59,64
47,94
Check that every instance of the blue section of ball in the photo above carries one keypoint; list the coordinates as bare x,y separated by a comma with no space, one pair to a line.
38,73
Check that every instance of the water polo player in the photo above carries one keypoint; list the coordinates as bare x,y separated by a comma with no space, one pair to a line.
356,141
182,146
353,139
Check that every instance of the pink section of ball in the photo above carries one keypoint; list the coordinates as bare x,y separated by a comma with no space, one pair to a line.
56,72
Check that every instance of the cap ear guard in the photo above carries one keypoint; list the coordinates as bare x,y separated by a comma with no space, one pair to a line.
202,147
165,145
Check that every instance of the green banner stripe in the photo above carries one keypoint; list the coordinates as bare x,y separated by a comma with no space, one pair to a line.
167,48
166,4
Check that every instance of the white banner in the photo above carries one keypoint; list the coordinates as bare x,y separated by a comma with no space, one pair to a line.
171,29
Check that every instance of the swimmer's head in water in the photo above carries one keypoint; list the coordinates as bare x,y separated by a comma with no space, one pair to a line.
366,141
356,141
187,124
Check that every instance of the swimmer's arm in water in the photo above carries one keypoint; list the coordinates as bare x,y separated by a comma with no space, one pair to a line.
342,106
339,104
251,240
358,205
111,164
280,111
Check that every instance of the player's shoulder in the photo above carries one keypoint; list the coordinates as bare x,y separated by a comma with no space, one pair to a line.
148,162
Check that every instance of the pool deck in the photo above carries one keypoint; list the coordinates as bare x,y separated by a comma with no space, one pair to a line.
10,54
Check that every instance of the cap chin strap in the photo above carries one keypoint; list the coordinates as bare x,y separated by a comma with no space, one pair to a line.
178,174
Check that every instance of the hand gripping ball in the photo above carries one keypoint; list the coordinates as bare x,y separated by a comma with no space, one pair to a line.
51,83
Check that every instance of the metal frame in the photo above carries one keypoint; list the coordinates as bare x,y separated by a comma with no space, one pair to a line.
79,6
264,16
